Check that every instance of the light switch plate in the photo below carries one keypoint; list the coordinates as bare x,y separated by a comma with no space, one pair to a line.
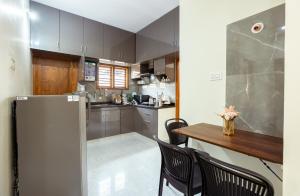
214,76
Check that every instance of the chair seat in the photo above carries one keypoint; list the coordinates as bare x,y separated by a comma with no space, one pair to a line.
197,180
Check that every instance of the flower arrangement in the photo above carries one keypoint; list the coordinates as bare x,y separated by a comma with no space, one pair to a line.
229,115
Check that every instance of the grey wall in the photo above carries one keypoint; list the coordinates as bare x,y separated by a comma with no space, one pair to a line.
255,72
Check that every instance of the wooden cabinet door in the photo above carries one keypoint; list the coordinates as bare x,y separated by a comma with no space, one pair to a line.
71,33
127,120
112,122
93,38
44,27
96,124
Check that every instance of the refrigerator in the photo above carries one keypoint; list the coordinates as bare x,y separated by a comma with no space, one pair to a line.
50,145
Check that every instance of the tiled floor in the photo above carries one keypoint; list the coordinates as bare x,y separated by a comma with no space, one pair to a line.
124,165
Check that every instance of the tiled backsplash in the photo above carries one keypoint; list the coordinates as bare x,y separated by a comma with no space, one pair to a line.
157,88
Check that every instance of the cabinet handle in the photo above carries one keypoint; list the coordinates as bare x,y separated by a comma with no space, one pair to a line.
85,49
82,48
58,45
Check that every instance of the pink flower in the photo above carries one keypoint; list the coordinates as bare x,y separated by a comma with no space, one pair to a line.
229,113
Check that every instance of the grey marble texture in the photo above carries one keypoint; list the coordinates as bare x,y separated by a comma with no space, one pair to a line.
255,72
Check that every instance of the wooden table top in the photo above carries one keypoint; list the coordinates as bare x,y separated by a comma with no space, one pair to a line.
265,147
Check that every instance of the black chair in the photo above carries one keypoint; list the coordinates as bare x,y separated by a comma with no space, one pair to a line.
179,169
220,178
176,123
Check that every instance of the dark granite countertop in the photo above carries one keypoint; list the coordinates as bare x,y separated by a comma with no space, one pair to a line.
112,105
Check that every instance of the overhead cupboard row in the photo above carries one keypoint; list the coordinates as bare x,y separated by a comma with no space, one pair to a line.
59,31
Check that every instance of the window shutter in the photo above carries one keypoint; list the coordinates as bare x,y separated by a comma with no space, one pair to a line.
105,76
120,77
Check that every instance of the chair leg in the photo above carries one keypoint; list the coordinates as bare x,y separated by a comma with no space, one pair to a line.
161,183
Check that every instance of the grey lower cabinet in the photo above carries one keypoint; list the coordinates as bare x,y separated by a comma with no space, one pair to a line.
127,119
103,122
71,33
96,124
44,27
147,122
112,121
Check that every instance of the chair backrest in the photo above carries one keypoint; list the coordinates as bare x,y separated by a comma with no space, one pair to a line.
176,162
220,178
176,123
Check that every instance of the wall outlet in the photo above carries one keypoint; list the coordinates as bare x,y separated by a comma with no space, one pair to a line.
214,76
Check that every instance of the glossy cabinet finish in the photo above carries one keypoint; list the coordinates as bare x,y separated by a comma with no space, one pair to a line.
148,122
59,31
159,38
175,17
127,120
96,124
112,121
111,43
127,46
160,66
93,38
71,33
103,122
147,44
118,44
44,27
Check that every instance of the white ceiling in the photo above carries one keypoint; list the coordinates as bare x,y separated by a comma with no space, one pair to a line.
131,15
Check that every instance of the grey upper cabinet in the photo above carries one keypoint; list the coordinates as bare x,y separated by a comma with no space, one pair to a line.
159,38
93,38
111,43
147,43
44,27
175,17
166,34
127,46
71,33
118,44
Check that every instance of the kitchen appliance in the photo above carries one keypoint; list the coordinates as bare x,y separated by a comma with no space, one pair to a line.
50,145
90,67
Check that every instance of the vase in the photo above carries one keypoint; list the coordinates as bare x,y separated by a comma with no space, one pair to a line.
228,128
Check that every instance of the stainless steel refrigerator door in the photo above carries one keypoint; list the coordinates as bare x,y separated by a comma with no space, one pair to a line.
51,146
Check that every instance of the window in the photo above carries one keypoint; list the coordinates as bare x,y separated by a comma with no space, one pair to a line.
114,77
105,76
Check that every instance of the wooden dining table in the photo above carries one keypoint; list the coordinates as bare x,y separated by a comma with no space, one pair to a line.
262,146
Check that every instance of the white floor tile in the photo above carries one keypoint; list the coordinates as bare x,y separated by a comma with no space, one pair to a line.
125,165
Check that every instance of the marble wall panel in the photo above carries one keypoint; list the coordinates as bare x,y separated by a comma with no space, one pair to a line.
255,72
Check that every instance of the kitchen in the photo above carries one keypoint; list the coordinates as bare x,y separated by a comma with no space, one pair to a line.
118,83
99,98
149,64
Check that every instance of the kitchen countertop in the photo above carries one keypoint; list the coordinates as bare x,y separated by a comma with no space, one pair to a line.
111,105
